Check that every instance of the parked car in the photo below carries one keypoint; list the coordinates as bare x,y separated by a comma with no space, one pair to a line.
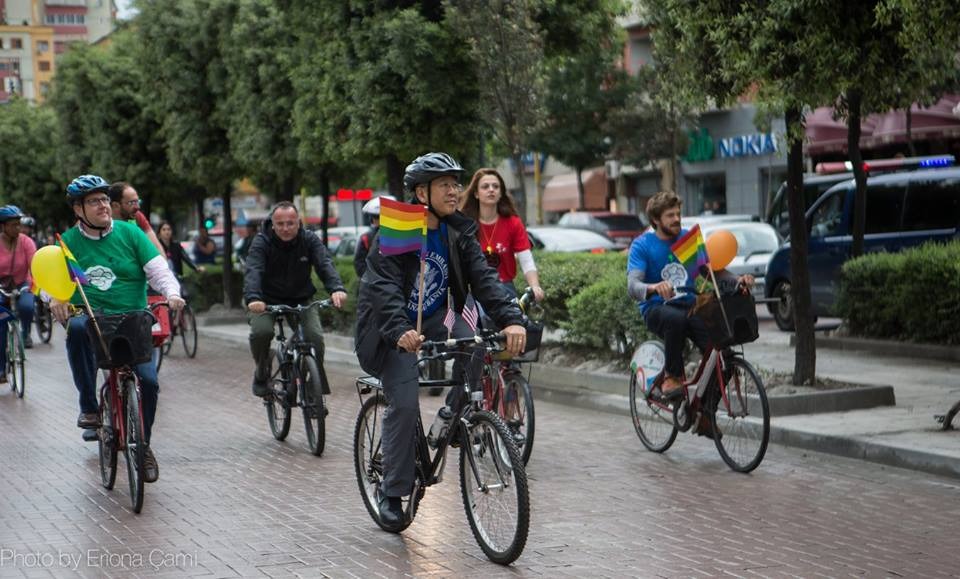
903,210
553,238
689,221
756,244
621,228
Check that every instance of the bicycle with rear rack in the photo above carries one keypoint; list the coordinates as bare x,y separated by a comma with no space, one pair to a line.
128,341
725,391
505,389
296,378
16,357
493,480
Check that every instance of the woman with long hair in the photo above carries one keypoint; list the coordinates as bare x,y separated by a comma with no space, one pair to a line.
502,236
174,251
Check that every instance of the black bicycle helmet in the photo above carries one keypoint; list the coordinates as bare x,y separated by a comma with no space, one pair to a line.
8,212
85,185
426,168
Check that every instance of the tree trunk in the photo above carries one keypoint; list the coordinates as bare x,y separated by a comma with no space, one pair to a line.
325,203
520,194
805,361
581,193
199,196
287,189
395,169
854,100
228,248
910,146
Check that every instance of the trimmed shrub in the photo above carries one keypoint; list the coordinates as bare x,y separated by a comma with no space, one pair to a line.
603,316
564,275
910,295
205,289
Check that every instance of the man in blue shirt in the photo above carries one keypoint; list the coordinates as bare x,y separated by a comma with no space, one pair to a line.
663,290
387,339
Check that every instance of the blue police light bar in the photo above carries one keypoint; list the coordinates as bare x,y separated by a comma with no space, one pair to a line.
876,165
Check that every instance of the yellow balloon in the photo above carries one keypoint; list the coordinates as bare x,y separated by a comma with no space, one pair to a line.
49,269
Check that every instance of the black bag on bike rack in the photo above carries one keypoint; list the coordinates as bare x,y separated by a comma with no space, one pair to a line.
128,336
741,313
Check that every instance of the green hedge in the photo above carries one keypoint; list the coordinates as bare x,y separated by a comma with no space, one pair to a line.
205,289
564,275
910,295
603,316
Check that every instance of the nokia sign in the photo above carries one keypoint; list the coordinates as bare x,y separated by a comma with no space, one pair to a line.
748,145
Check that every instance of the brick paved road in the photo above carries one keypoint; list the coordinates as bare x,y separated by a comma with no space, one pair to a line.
232,502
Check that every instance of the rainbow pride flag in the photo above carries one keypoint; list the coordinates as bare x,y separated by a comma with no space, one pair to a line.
691,251
73,268
403,227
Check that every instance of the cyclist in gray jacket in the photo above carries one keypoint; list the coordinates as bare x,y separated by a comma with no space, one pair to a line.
387,340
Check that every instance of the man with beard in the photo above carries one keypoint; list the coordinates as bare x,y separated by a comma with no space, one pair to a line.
125,206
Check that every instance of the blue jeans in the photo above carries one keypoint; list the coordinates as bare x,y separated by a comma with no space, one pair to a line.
25,308
83,365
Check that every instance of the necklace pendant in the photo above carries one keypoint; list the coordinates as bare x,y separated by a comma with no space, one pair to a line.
489,249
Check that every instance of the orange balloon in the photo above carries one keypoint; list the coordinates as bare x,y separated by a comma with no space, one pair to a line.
721,248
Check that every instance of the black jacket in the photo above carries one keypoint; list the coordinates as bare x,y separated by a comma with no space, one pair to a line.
363,248
388,281
278,272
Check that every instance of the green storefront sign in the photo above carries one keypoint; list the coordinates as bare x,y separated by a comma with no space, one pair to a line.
700,147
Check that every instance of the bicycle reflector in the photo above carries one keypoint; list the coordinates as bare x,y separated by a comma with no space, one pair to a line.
875,165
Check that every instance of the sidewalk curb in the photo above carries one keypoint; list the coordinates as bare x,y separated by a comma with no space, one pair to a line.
608,394
887,347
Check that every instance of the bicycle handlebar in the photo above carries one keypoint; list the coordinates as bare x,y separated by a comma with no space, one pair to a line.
282,309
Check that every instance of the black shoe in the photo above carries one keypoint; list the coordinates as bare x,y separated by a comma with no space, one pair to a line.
90,435
705,428
151,472
88,420
28,342
260,388
391,511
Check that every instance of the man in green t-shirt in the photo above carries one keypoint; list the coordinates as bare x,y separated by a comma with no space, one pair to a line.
119,261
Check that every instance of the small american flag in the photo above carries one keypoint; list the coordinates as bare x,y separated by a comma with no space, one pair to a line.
471,316
449,320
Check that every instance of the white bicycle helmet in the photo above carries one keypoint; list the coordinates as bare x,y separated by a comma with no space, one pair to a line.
372,207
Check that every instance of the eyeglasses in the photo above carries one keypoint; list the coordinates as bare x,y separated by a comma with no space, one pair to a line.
132,203
444,187
95,201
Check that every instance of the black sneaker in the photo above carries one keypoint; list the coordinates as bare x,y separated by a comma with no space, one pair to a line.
391,511
28,342
151,472
260,388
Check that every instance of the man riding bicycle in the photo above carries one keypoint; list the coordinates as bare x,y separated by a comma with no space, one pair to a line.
278,268
16,252
665,293
119,261
387,340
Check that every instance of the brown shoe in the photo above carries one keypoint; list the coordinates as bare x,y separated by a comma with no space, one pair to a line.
151,472
88,420
671,388
704,427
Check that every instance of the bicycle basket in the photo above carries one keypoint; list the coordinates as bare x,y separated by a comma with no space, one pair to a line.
531,351
741,313
128,338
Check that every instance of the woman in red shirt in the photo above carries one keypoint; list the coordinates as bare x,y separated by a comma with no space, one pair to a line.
16,253
503,238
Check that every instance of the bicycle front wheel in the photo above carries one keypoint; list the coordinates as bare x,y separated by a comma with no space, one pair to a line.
107,439
16,359
277,401
314,409
135,443
652,420
518,412
188,331
44,322
741,426
493,482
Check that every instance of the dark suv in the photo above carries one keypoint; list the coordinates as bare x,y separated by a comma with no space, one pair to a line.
620,228
903,210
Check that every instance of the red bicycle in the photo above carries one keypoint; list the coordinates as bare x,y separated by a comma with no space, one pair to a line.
128,342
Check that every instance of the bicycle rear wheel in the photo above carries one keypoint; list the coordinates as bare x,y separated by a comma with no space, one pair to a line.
314,409
135,443
277,402
368,459
493,483
518,412
741,427
652,420
44,319
107,439
188,331
16,359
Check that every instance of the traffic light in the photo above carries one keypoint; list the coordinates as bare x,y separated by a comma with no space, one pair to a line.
209,222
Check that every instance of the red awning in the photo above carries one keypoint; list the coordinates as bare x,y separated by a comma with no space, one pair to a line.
562,194
941,120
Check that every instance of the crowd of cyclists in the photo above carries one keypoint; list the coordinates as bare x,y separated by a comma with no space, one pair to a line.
475,244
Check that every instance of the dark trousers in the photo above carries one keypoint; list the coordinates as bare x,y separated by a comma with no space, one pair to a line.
671,323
